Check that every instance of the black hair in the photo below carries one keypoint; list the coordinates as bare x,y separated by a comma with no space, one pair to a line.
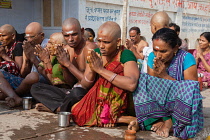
206,35
176,27
136,29
91,31
169,36
20,37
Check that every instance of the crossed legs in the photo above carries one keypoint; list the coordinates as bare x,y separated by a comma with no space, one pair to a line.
12,97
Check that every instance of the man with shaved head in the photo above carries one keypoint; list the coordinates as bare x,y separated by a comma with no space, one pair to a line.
159,20
14,87
74,62
34,35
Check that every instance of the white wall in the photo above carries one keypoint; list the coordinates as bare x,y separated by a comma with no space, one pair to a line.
22,13
192,17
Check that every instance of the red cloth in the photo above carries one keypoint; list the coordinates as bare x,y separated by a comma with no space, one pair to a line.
88,111
11,67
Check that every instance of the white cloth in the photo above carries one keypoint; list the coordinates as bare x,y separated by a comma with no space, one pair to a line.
146,52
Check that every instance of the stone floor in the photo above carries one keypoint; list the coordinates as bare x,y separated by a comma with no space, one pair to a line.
19,124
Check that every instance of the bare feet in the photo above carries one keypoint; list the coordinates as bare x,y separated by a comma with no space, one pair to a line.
205,84
12,102
134,125
164,130
109,125
157,125
43,108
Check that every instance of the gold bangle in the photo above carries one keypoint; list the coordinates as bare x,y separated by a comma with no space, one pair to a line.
41,64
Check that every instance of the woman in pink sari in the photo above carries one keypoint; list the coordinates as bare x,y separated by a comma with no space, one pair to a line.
202,55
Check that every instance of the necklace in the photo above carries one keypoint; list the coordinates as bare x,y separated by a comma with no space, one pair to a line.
113,58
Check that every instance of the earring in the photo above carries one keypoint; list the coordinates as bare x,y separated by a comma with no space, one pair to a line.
118,47
175,53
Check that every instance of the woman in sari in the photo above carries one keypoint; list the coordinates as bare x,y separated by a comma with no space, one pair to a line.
202,56
112,73
168,97
11,51
51,68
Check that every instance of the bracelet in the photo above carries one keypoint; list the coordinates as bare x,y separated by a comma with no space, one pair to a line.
112,77
41,64
88,80
48,71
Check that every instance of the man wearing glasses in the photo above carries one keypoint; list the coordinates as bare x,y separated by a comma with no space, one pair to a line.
15,87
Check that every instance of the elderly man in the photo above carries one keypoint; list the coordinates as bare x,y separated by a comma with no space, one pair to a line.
159,20
136,44
34,35
52,98
13,87
11,51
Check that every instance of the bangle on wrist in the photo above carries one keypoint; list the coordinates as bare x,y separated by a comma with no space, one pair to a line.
89,80
112,77
67,66
41,64
48,71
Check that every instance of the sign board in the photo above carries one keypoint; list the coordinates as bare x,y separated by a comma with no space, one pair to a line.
6,4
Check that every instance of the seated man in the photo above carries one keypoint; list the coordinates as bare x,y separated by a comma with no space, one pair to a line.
136,44
73,67
11,51
14,87
159,20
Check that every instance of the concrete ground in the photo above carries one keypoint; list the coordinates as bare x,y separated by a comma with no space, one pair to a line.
19,124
